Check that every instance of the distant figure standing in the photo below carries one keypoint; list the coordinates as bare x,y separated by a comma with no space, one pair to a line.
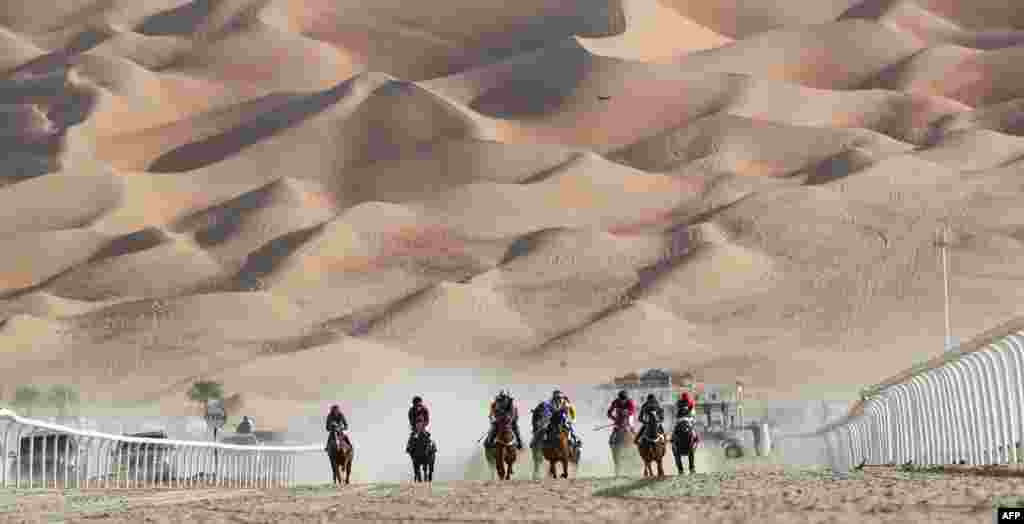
245,427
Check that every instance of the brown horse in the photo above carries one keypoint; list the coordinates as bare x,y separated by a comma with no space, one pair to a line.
504,453
652,449
341,453
556,445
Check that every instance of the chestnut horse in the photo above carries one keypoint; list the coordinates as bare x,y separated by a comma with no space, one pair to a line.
504,453
557,449
622,437
652,449
341,453
423,453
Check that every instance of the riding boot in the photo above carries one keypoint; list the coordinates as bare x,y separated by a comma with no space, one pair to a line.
576,442
636,439
489,441
408,445
519,439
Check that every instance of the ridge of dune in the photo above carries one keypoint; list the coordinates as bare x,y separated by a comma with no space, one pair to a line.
729,143
909,117
232,230
975,150
134,151
929,26
835,55
173,268
326,132
419,42
1006,117
39,256
963,74
651,35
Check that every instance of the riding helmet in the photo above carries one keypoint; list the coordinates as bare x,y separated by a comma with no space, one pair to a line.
416,400
623,395
651,397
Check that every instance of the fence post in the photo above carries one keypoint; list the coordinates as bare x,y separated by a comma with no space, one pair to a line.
993,364
1016,354
975,377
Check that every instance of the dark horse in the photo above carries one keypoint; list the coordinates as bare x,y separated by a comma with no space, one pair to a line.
504,453
341,452
539,423
652,449
684,442
557,448
423,452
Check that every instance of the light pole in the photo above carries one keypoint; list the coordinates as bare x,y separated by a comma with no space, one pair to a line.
944,243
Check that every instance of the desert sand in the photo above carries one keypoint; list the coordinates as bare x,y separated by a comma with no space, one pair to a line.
756,494
306,198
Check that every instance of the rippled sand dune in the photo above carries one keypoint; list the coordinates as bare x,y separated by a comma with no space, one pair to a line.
263,191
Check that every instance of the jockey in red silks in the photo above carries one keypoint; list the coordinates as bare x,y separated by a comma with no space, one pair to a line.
624,403
418,413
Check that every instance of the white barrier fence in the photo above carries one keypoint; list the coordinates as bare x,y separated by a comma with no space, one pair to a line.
965,407
38,454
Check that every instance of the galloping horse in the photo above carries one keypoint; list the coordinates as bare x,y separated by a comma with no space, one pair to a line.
341,452
652,449
504,453
621,438
540,423
423,452
557,448
684,442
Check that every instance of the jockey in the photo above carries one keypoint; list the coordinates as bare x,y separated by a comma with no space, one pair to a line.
651,413
685,411
684,406
503,405
560,402
622,402
418,412
336,423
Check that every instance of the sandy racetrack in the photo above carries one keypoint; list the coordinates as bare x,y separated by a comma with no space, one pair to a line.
767,494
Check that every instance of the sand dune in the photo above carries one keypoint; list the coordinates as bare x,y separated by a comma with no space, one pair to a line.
838,55
976,78
654,33
908,117
259,190
929,26
734,144
1007,117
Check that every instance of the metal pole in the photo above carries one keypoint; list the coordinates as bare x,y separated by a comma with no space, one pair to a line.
945,282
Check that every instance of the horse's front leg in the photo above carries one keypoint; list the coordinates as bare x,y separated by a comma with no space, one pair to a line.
661,466
348,471
565,469
553,471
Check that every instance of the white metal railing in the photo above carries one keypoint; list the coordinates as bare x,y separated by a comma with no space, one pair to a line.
38,454
966,406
